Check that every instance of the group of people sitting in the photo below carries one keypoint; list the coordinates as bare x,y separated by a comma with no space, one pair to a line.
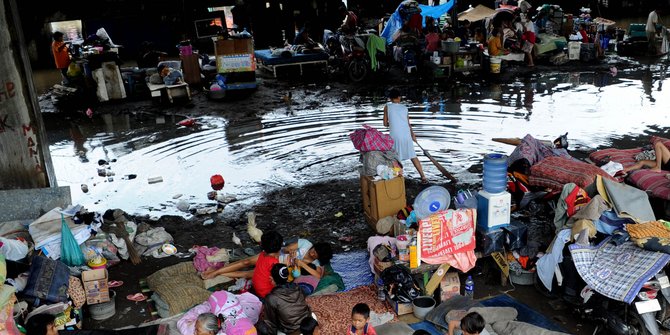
283,275
516,36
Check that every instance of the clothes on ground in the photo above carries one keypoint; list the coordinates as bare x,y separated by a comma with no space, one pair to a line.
283,309
330,278
617,272
648,229
260,281
200,261
546,265
646,155
61,55
534,151
609,221
626,199
307,282
400,131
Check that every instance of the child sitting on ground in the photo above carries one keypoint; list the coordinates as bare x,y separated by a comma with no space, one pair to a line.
309,326
471,324
360,318
271,243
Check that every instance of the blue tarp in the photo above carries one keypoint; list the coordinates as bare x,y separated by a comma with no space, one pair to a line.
395,22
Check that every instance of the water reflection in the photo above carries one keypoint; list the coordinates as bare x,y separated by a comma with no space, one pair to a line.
258,153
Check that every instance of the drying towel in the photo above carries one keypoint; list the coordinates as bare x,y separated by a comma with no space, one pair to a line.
617,272
648,229
374,44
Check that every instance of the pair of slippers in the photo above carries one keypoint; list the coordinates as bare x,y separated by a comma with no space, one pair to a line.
137,297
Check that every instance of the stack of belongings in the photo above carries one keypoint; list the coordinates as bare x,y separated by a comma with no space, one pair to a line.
615,242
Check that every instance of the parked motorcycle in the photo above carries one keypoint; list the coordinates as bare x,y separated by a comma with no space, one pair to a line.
647,315
348,54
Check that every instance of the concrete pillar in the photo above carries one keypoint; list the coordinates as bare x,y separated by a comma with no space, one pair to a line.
25,162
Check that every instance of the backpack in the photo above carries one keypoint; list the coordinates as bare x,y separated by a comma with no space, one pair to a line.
401,283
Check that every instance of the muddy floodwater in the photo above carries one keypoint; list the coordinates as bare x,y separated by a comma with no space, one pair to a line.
285,145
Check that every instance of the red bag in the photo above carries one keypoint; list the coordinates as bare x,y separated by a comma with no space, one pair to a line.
371,139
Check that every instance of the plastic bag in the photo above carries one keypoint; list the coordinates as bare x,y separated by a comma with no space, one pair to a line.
70,253
13,250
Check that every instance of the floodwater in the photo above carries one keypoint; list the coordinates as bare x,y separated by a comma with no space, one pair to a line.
292,148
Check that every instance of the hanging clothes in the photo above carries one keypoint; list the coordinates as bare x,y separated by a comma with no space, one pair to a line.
374,44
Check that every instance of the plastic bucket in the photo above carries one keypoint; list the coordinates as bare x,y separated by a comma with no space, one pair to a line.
421,306
104,310
495,64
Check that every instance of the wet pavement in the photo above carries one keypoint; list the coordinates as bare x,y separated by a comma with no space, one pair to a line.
293,162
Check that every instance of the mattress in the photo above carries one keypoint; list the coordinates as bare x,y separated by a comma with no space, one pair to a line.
554,172
265,56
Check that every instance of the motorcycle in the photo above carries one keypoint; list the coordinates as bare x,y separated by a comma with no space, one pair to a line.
348,54
647,315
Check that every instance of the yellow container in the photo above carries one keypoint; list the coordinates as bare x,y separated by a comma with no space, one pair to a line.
495,64
413,257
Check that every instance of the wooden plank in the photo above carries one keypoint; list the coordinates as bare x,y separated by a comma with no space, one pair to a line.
517,141
435,280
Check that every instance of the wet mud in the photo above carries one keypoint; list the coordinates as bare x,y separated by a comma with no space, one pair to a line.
291,162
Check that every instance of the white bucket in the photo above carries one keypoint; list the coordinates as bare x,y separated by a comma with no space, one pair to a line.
495,64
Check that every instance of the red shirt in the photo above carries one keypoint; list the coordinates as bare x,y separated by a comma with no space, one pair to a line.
261,281
432,42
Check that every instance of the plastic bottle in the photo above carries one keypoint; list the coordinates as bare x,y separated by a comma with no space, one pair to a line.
469,287
381,295
413,256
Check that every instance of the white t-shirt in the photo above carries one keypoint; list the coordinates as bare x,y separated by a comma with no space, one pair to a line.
303,248
651,22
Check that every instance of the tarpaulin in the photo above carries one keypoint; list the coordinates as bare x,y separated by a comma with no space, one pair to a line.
395,21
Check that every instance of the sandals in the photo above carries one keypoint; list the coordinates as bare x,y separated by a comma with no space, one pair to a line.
137,297
114,283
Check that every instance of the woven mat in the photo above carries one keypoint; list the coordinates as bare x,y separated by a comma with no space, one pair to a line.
179,286
333,311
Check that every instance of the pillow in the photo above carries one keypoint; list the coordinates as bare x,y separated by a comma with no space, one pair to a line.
554,172
624,156
396,328
48,280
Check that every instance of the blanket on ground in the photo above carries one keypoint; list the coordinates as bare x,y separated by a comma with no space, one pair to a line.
617,272
554,172
333,311
534,151
179,287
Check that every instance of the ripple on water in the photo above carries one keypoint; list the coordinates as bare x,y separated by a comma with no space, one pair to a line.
281,149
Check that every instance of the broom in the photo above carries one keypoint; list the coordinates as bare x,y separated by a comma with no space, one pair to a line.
119,220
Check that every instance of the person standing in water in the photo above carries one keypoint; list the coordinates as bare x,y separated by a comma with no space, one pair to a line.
396,117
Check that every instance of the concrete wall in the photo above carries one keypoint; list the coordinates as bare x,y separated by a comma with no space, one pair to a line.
30,204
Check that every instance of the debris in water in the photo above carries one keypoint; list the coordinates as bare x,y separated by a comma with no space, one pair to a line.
208,222
154,180
339,214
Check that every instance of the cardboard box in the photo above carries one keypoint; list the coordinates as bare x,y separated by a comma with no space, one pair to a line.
95,286
450,286
382,198
398,307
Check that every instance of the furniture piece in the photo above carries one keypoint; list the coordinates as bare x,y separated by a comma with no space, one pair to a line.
270,63
169,92
191,69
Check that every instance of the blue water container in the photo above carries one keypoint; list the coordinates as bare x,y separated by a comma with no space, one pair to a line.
495,173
